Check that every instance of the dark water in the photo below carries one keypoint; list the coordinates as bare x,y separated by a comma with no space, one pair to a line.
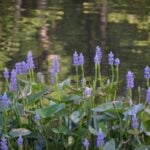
61,26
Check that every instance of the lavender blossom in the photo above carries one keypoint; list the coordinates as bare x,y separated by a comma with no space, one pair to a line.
130,80
96,60
86,144
117,61
147,72
24,67
52,75
18,68
13,81
148,96
20,141
6,73
56,66
110,58
135,123
37,117
75,59
5,101
41,77
88,91
81,59
98,55
100,139
30,62
3,144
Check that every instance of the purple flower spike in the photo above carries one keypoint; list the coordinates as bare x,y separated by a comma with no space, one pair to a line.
148,96
5,101
56,66
20,141
75,59
6,73
81,59
110,58
24,67
100,139
18,68
52,75
13,81
117,61
41,77
147,72
99,53
130,80
37,117
86,144
96,60
3,144
30,62
88,91
135,123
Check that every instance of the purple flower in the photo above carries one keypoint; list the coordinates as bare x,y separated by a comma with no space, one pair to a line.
37,117
148,96
24,67
147,72
13,81
20,141
41,77
117,61
130,80
6,73
86,144
5,101
88,91
18,68
100,139
96,60
52,75
81,59
75,59
98,55
3,144
135,123
56,66
110,58
30,62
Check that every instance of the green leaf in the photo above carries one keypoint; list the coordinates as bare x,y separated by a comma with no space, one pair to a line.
64,84
110,145
50,111
133,110
76,116
36,97
92,130
143,148
19,132
107,106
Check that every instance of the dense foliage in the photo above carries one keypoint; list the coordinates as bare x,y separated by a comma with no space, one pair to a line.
77,113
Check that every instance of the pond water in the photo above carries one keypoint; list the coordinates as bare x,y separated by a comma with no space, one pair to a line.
59,27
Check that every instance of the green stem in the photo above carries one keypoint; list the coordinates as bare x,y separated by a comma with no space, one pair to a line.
5,121
99,74
117,79
77,77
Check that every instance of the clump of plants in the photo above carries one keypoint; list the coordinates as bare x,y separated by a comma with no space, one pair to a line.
79,113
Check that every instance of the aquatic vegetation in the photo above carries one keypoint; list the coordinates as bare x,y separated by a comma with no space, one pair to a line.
78,113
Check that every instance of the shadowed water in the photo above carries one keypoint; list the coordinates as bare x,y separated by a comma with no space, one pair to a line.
62,26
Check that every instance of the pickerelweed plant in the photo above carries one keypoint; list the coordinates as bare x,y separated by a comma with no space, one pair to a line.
77,113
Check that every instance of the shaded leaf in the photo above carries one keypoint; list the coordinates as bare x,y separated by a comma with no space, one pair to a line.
50,111
110,145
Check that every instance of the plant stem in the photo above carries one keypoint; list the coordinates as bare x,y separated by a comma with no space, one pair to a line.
77,77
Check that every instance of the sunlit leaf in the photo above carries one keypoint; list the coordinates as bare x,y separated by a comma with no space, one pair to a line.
19,132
